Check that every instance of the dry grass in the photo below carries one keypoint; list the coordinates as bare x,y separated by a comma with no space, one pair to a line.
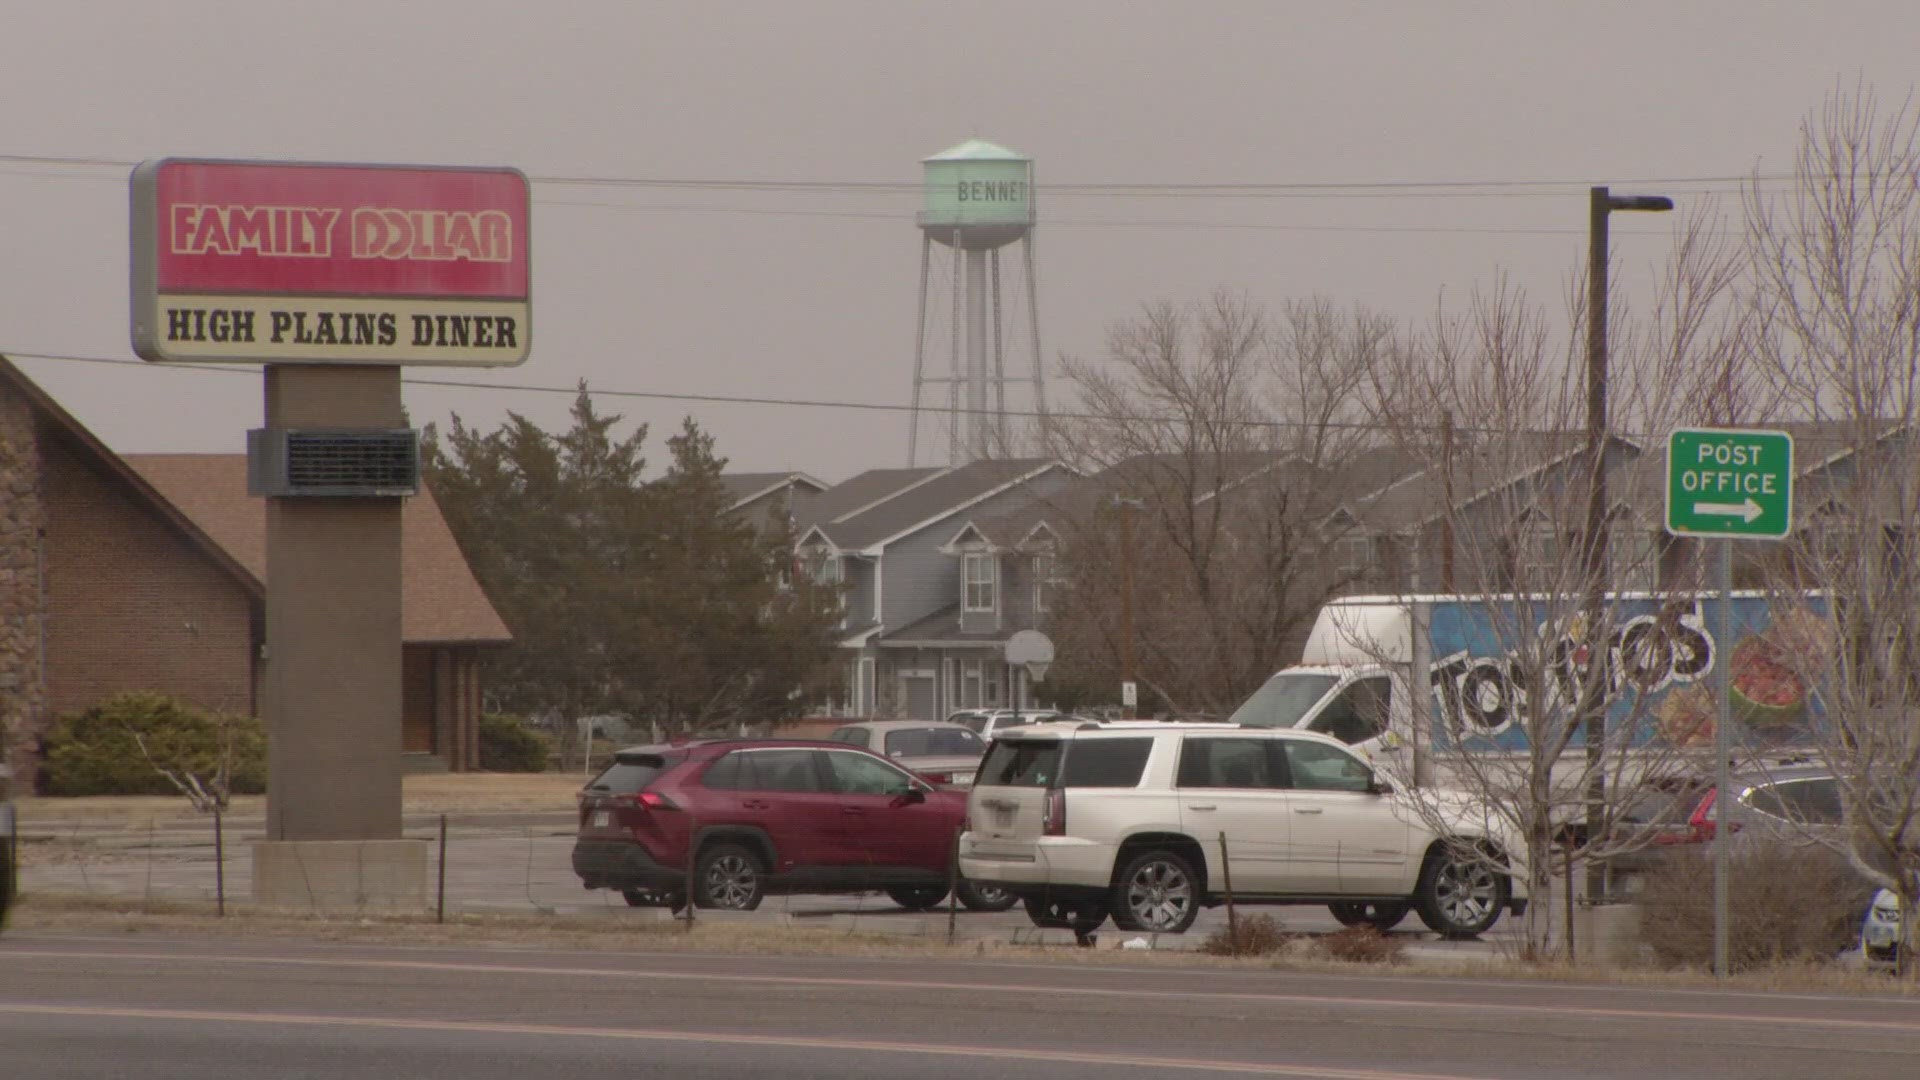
94,914
1362,945
427,793
1251,935
1789,905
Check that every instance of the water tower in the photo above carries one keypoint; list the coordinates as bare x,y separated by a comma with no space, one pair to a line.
979,199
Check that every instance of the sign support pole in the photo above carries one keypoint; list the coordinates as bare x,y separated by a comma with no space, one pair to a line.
1722,749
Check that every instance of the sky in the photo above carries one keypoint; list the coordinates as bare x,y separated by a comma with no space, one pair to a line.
657,272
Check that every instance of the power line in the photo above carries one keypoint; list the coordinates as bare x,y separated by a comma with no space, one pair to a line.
1226,188
737,399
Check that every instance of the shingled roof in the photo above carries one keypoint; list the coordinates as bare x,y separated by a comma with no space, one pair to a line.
440,603
928,500
743,488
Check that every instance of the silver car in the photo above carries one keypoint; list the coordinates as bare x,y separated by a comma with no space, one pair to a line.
947,754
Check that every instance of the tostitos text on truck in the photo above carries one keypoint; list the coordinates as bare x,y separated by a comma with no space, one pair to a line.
1469,657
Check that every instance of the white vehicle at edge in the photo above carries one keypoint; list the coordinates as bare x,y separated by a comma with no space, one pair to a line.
1086,821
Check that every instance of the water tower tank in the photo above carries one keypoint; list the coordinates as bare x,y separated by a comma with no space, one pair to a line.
979,196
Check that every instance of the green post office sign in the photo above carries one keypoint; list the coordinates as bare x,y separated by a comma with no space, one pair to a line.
1730,482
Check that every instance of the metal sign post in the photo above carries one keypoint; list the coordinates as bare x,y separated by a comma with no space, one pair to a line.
1731,484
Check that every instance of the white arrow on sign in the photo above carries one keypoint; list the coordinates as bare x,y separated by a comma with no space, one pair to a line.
1746,511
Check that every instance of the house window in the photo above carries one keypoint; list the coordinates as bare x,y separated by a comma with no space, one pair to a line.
971,696
1353,556
979,570
1540,557
1634,560
1044,583
826,569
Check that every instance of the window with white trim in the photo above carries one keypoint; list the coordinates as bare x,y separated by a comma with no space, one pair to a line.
1353,557
981,573
1045,581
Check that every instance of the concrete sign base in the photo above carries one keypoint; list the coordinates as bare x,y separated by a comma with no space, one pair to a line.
341,876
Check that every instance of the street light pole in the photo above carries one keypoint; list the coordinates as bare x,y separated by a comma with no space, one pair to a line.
1594,534
1126,506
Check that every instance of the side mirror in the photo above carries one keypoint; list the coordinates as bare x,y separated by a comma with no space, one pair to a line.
910,797
1377,786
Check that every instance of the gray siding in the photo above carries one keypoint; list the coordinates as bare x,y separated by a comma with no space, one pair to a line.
920,579
859,578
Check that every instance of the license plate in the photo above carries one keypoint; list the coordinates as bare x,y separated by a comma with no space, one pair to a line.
602,819
1003,816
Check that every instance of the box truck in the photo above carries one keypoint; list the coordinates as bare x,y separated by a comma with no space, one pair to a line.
1417,682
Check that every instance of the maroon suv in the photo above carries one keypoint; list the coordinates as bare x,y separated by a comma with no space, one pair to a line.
761,816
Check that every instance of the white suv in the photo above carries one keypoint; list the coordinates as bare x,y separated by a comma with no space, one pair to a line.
1128,820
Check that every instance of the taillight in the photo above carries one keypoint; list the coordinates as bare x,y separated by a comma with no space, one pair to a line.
652,800
1700,826
1053,820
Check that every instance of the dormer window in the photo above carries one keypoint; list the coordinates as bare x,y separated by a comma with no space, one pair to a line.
980,572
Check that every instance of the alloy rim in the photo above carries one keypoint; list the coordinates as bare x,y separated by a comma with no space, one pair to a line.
1159,895
730,881
1465,892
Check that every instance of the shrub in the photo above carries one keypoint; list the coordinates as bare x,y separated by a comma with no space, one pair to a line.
1362,945
96,752
1786,902
1254,935
508,745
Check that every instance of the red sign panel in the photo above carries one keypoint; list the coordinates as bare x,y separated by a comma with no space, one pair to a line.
330,263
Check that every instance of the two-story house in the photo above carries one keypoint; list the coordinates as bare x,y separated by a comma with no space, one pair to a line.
925,624
1501,515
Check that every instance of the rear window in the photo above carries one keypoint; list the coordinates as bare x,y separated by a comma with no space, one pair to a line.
629,773
1020,763
1106,762
1090,763
917,742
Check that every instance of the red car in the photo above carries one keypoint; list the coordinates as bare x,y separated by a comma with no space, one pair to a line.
766,816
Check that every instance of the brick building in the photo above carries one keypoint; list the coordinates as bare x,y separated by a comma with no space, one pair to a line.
148,572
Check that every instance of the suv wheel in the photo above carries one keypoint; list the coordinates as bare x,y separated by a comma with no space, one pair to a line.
729,877
1381,916
1157,892
1461,892
917,897
986,897
1081,918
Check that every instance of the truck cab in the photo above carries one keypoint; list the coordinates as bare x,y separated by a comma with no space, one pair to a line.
1351,682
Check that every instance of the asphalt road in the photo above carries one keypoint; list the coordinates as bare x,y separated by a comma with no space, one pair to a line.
158,1007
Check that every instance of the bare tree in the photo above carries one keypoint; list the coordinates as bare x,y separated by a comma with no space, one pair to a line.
1499,521
1836,298
1207,432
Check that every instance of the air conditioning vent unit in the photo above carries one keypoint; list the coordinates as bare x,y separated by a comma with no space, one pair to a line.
366,463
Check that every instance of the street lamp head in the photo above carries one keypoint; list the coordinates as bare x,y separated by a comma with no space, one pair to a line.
1639,202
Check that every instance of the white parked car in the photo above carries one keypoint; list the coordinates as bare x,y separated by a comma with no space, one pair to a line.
1085,821
1880,934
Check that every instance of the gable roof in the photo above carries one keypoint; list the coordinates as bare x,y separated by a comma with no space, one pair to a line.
930,500
862,491
64,426
441,602
1416,500
743,488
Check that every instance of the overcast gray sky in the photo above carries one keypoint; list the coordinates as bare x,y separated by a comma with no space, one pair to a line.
789,294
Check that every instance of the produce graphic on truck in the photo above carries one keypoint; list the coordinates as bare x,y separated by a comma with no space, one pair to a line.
1472,659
